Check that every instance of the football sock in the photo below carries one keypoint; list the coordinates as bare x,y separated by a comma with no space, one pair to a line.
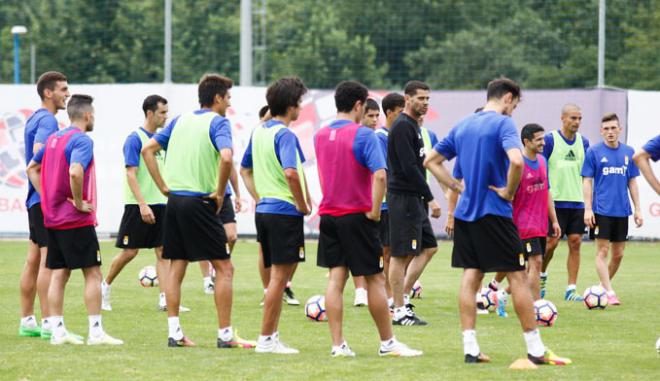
95,326
288,284
611,293
390,301
29,322
225,334
45,324
387,344
406,299
208,280
495,283
570,287
535,346
470,345
263,340
544,274
338,347
174,327
57,322
400,312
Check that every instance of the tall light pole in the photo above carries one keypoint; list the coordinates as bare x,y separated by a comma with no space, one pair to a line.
15,31
601,43
246,43
167,70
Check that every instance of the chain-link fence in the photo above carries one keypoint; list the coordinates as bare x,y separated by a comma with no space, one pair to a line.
452,44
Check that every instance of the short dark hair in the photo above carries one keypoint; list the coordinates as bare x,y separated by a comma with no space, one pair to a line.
211,85
392,101
284,93
48,80
499,87
262,111
347,93
529,130
371,105
78,105
412,87
610,116
151,103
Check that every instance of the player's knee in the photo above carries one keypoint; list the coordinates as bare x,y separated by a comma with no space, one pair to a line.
224,269
232,238
574,242
129,254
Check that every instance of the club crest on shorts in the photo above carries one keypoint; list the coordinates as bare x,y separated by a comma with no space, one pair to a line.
380,262
301,252
227,249
125,240
529,247
98,256
521,259
414,244
625,160
596,229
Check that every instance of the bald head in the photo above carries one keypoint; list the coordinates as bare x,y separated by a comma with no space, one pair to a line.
569,108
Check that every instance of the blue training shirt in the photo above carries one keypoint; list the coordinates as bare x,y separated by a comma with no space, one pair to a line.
652,147
547,151
286,146
366,147
381,134
219,133
480,142
39,126
79,149
611,169
132,148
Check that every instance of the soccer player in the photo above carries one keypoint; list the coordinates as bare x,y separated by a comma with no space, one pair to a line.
564,151
393,104
198,165
63,173
228,219
369,119
609,174
144,210
348,153
408,195
272,171
487,149
651,150
53,90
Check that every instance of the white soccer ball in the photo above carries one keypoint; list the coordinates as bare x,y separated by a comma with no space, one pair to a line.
595,298
148,277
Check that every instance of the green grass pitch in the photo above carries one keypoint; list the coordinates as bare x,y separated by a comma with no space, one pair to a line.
617,343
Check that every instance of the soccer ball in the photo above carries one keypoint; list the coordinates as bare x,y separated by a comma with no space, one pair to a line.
148,277
546,312
315,308
416,291
595,298
488,299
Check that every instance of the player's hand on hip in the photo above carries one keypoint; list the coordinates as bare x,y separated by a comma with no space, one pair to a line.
218,199
502,192
589,218
639,221
435,209
165,191
556,230
84,207
147,214
373,216
304,209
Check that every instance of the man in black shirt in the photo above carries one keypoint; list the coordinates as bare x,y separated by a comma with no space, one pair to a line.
408,194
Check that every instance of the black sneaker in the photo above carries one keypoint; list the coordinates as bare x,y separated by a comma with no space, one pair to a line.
410,307
289,298
184,342
469,359
409,319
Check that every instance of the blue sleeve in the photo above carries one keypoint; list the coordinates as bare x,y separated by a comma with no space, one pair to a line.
633,171
446,147
457,172
39,155
82,150
47,127
509,135
246,162
163,137
220,133
589,166
286,147
652,147
132,148
382,138
433,137
300,151
585,143
549,145
367,150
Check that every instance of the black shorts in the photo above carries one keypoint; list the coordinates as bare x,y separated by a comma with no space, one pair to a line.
571,221
38,232
614,229
227,215
282,238
410,228
352,241
489,244
534,246
193,232
76,248
137,234
384,228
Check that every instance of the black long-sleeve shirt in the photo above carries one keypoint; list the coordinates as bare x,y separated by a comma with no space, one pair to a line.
405,159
